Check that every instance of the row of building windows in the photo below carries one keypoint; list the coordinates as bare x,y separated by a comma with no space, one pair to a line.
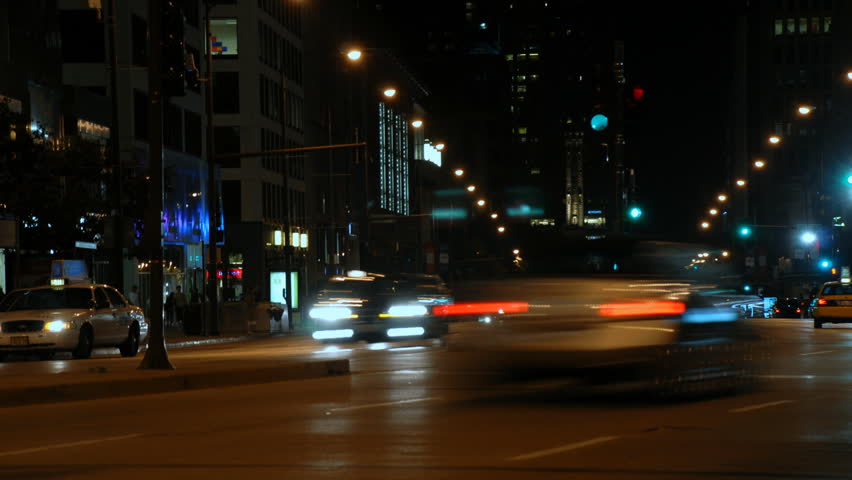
804,5
271,104
278,53
522,56
804,53
181,129
294,163
811,77
275,205
286,12
393,161
790,26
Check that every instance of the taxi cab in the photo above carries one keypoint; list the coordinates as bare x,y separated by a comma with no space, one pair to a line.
833,304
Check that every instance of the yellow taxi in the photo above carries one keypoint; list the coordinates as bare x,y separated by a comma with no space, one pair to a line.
833,304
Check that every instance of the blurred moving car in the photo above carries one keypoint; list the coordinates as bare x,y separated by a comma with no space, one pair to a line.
788,308
377,307
833,304
73,318
610,312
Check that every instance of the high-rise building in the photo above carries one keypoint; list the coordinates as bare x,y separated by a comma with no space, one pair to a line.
791,84
259,105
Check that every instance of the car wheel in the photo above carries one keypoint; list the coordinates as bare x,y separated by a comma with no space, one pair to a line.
817,323
84,343
130,347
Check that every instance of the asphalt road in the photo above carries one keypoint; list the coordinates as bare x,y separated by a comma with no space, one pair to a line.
413,411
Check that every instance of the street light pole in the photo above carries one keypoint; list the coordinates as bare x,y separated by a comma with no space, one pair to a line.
212,317
156,356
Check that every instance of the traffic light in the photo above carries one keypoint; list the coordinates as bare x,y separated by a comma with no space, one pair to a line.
634,213
744,231
599,122
173,53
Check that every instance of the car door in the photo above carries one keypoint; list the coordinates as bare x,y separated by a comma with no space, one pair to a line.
104,321
121,311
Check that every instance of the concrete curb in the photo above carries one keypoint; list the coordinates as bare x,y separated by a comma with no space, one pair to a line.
151,382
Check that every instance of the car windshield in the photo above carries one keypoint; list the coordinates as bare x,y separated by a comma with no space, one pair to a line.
47,299
837,289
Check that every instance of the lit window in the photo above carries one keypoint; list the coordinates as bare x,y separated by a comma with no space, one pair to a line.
522,55
522,88
779,26
791,25
224,36
814,25
468,16
521,78
468,5
510,57
533,56
535,171
522,130
534,76
803,25
826,24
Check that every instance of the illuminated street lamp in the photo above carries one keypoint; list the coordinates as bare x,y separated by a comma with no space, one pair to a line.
471,188
390,92
417,123
774,139
459,172
516,251
501,229
849,75
705,225
741,182
713,211
725,253
805,110
722,197
494,216
809,238
480,202
354,55
439,146
759,164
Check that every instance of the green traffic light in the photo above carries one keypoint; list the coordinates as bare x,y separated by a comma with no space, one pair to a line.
745,231
635,213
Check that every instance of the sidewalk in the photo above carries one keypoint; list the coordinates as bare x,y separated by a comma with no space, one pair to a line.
27,383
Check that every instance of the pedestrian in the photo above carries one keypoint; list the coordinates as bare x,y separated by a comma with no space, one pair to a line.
170,308
180,304
133,295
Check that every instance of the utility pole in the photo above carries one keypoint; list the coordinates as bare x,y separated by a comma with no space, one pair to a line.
212,314
288,236
156,356
117,260
618,150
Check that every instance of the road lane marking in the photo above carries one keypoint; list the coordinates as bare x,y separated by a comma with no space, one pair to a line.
68,445
818,353
563,448
383,404
759,406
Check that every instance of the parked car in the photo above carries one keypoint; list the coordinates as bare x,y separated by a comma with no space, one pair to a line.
73,318
833,304
788,308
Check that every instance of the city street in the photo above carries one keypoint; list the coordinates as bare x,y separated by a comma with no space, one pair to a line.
411,410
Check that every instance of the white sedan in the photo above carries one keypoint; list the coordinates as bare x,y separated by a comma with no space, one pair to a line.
71,318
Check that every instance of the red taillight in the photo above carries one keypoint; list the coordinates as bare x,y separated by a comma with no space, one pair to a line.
798,310
480,308
777,311
822,301
642,309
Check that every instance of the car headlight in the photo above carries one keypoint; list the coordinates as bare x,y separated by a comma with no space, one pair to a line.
58,326
330,313
407,311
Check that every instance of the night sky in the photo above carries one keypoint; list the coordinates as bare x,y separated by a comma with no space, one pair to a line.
684,68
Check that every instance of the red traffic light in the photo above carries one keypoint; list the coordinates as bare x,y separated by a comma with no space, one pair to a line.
638,93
